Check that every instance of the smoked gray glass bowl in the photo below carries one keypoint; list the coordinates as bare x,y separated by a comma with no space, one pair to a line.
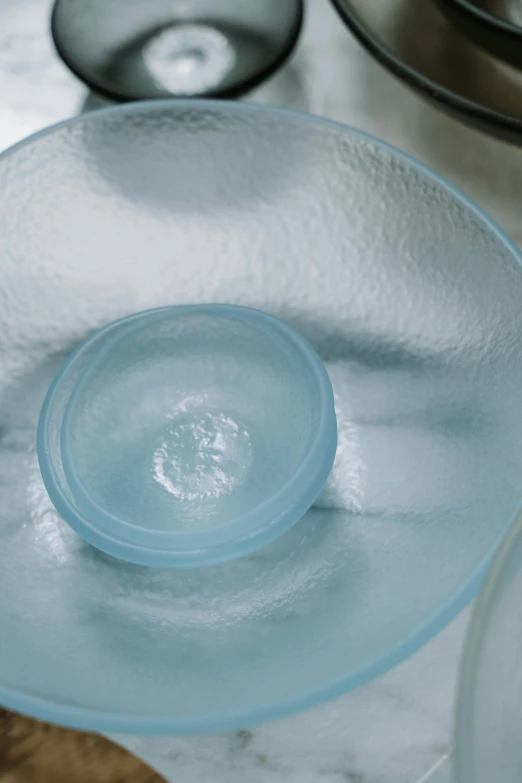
493,25
489,711
416,43
137,49
412,298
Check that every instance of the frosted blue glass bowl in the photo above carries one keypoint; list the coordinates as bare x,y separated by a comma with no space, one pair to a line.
188,435
411,297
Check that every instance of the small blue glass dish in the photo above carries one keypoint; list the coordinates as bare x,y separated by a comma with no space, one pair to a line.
188,435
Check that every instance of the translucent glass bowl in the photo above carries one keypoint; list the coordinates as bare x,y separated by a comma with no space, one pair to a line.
489,711
184,436
138,49
410,296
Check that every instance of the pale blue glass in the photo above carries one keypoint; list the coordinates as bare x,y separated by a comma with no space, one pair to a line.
190,435
411,297
488,724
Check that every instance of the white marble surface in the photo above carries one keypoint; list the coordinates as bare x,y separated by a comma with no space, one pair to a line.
397,729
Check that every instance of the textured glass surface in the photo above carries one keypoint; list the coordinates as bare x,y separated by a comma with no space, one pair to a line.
411,298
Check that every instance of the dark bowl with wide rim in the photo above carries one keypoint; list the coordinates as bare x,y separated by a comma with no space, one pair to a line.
498,34
411,297
416,42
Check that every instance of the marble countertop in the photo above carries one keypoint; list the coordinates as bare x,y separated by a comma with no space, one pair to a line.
398,729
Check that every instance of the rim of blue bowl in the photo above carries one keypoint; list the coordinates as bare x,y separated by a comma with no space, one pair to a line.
255,528
115,722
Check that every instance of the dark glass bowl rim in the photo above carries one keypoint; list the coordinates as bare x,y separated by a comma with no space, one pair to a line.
506,125
503,26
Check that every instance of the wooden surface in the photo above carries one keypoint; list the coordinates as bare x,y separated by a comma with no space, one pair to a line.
32,752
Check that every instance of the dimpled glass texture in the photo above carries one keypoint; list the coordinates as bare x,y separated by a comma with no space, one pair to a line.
411,297
184,436
489,708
